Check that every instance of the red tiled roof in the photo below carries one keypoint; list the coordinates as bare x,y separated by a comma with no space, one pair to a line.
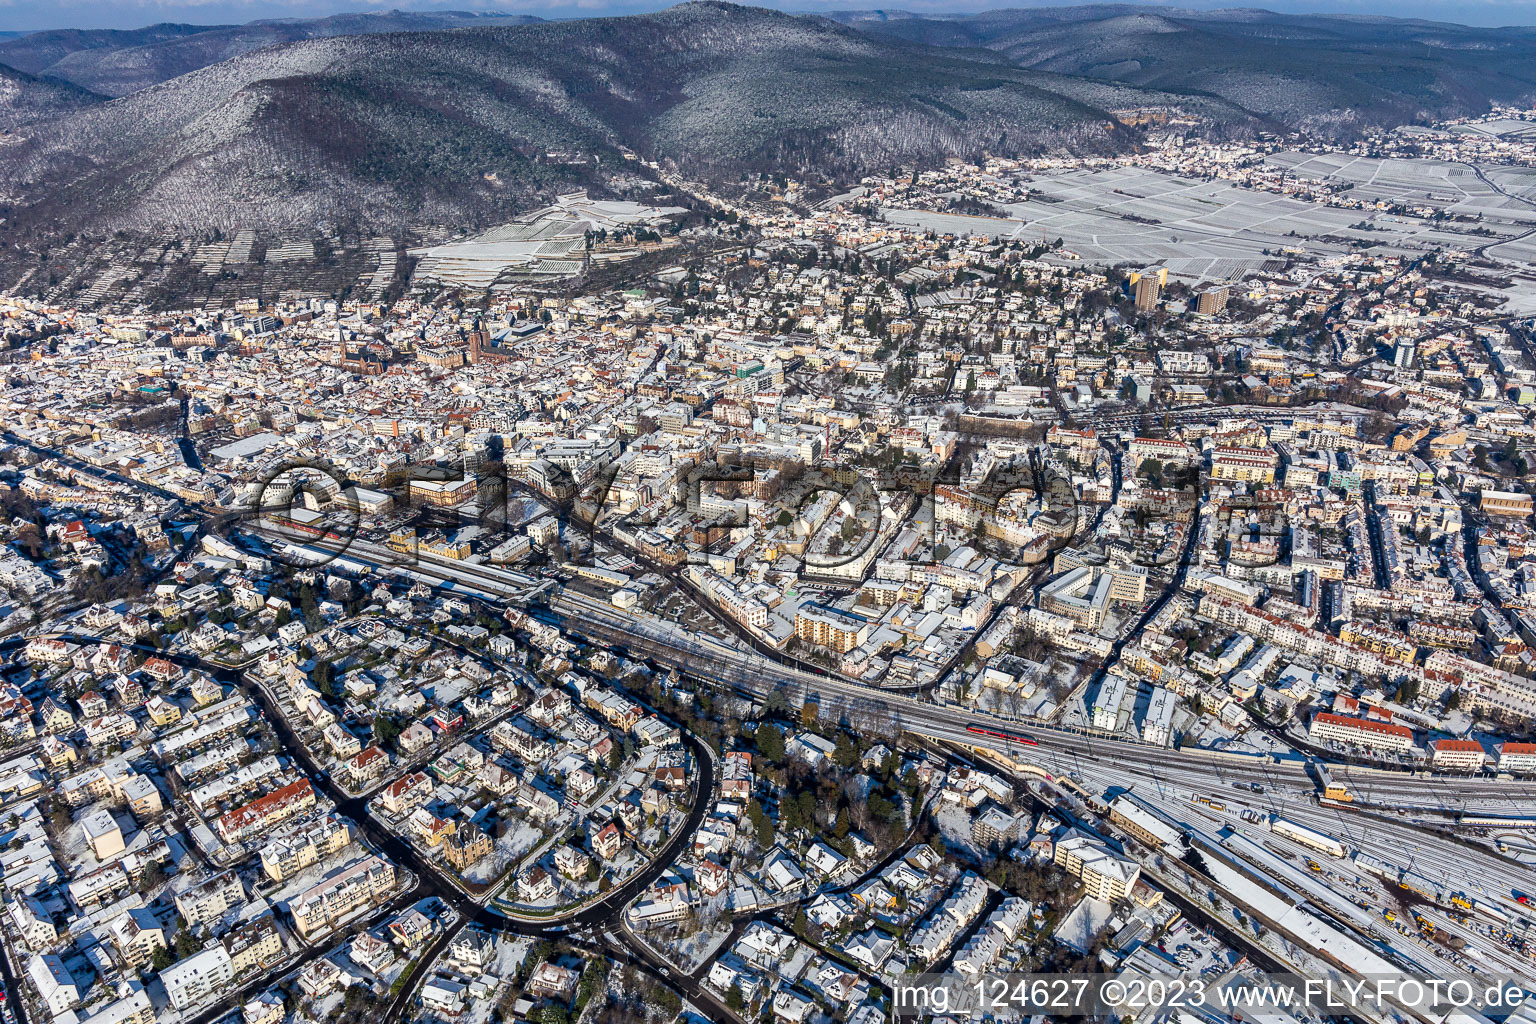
1364,725
1458,746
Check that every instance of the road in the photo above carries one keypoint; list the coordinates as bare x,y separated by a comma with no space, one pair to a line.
632,953
1482,250
431,881
717,662
738,666
566,511
753,673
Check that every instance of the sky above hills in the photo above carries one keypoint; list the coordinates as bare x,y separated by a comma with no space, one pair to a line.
31,15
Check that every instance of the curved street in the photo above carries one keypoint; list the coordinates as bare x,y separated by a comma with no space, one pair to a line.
597,914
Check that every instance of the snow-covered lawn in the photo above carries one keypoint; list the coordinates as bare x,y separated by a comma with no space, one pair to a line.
1078,929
